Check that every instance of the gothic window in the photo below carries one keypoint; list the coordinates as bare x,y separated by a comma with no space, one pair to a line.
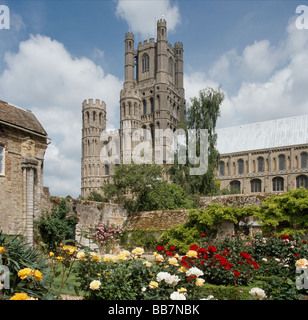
157,102
240,166
304,160
144,129
144,107
152,105
100,118
255,185
2,154
170,66
260,164
88,118
221,168
278,184
235,186
145,62
302,181
106,169
282,162
94,116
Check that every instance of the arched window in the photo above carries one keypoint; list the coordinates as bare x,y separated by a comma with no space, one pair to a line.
256,185
145,62
221,168
152,105
278,184
88,118
304,160
240,166
100,118
282,162
260,164
144,107
235,186
302,181
94,117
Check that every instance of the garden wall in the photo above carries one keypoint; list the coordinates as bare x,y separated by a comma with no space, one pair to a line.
87,212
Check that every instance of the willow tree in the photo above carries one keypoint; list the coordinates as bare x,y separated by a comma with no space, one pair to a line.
202,114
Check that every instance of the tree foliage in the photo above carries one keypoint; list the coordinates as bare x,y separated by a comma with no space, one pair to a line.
202,114
140,187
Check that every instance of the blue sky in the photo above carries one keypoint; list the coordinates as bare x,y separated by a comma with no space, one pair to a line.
58,53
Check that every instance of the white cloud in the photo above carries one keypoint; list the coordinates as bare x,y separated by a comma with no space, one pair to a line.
44,77
141,16
263,82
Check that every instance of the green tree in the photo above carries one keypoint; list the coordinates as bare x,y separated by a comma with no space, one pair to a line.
202,114
55,227
140,187
285,213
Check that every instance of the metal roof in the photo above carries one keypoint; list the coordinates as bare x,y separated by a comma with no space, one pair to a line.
263,135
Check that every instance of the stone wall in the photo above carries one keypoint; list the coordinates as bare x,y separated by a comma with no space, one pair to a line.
165,219
86,212
239,200
159,220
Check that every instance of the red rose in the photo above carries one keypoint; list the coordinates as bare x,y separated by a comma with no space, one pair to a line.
212,249
160,248
202,235
168,253
236,274
172,248
194,247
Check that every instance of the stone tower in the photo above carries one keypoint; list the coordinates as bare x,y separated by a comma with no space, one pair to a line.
153,94
93,172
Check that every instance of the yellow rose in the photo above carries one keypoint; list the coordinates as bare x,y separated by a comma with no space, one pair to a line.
182,269
37,275
182,290
24,273
80,255
200,282
96,257
192,254
60,259
69,249
51,254
138,251
159,258
20,296
147,263
95,285
1,249
153,285
173,261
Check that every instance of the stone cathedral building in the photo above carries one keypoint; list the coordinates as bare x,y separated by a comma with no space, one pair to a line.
269,156
152,98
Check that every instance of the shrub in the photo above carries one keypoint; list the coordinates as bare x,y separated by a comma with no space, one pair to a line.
286,213
55,227
28,270
105,235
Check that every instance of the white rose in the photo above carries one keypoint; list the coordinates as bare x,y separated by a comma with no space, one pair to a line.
258,293
194,272
177,296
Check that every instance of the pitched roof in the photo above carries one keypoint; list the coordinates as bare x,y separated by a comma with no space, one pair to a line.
20,118
262,135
